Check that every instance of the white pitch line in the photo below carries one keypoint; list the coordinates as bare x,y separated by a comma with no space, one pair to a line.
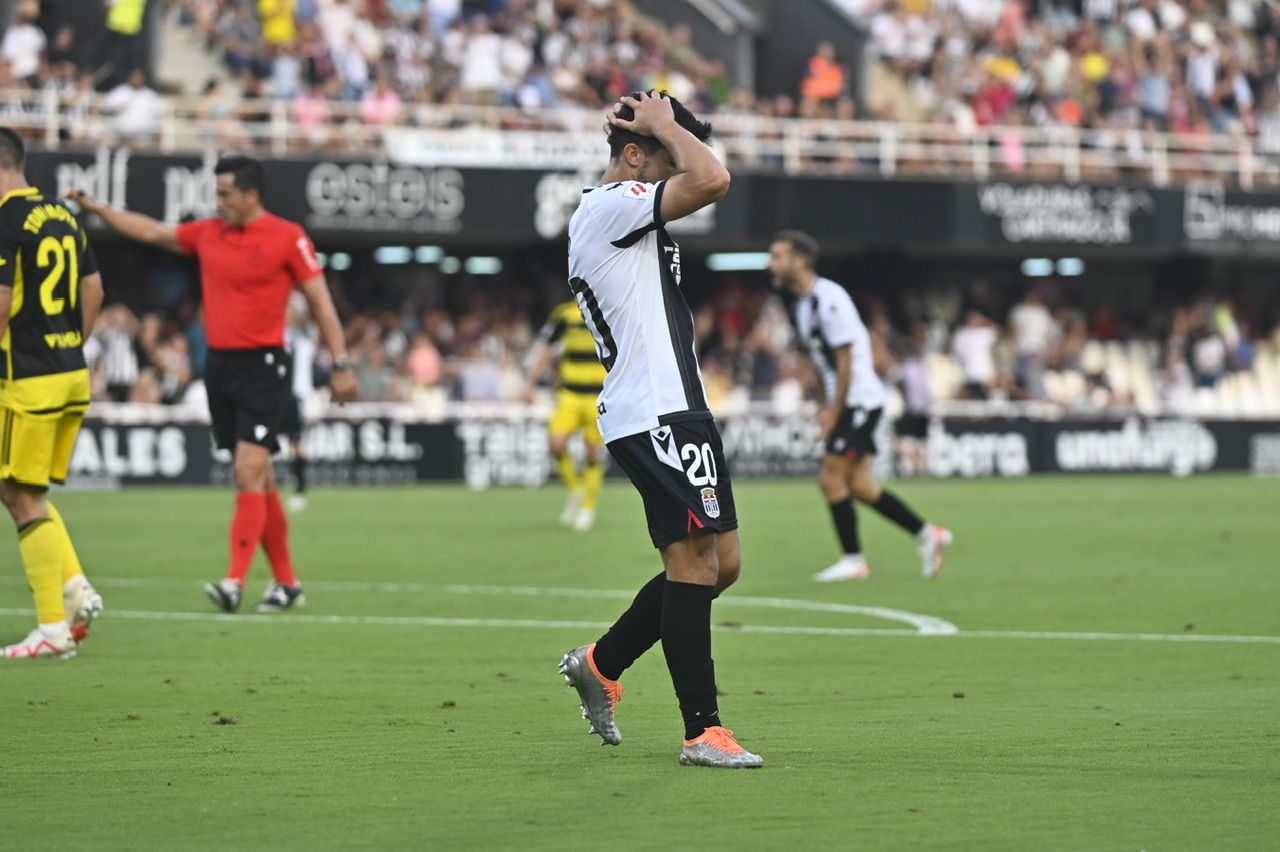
1132,637
422,621
925,625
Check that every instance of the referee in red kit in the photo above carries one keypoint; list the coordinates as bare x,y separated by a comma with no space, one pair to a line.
249,262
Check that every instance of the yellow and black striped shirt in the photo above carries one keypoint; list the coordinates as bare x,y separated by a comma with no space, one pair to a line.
43,255
579,366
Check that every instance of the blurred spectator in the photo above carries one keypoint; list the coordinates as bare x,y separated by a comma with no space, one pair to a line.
118,361
241,38
824,80
310,112
278,26
135,108
381,106
974,345
1034,335
24,46
912,426
125,51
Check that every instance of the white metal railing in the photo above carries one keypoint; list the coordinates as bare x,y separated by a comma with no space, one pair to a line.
429,134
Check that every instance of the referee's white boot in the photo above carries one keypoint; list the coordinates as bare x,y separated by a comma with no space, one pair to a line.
852,566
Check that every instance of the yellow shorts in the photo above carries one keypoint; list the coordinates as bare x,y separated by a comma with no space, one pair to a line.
39,421
574,412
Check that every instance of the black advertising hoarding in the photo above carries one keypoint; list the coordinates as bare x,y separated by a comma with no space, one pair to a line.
1057,214
489,451
353,200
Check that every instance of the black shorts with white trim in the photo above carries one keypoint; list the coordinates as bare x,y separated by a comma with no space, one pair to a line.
683,479
248,390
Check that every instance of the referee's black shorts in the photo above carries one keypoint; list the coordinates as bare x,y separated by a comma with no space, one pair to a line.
680,471
248,390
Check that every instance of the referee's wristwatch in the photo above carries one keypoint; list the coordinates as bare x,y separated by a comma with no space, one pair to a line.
343,363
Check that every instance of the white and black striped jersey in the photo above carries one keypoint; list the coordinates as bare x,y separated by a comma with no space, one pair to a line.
826,319
624,270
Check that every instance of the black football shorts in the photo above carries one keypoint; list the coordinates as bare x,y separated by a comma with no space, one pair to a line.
682,477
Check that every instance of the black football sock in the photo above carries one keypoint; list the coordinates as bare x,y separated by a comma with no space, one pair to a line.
898,512
845,518
633,633
686,643
299,474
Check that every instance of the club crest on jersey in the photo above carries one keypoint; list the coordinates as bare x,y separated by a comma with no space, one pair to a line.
710,503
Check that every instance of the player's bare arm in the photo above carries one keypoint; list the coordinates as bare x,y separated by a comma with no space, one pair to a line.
342,381
830,412
700,179
91,295
538,368
135,226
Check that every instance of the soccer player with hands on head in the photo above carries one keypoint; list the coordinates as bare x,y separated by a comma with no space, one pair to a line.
625,273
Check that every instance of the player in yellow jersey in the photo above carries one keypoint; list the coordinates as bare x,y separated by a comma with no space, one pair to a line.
50,295
566,338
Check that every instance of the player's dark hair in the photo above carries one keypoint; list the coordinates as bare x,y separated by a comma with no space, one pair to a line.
248,173
801,243
12,152
621,138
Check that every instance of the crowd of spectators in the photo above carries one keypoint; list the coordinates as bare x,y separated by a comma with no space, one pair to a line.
1190,68
442,344
342,70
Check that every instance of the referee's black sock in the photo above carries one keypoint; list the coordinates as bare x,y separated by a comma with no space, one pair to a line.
686,643
845,518
633,633
900,513
299,474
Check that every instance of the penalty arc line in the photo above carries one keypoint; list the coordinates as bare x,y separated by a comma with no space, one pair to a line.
423,621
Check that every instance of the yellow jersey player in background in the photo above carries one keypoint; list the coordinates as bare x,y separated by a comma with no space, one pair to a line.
581,376
50,295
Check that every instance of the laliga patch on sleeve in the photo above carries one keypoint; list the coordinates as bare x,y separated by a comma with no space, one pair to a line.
637,191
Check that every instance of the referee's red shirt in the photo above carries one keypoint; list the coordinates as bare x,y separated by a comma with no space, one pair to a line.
246,275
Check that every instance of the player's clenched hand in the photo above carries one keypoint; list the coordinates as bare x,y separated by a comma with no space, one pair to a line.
342,385
652,113
84,199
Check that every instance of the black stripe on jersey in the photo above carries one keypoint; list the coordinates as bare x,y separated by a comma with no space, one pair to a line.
79,403
6,437
683,417
582,290
590,188
572,387
680,326
635,236
828,353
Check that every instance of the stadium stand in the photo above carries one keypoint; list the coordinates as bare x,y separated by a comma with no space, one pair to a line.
1153,92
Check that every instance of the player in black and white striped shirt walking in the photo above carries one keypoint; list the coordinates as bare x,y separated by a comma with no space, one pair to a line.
829,325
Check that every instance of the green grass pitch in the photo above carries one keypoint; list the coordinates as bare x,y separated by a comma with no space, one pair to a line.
387,717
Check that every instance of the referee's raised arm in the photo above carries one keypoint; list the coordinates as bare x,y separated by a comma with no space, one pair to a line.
135,226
